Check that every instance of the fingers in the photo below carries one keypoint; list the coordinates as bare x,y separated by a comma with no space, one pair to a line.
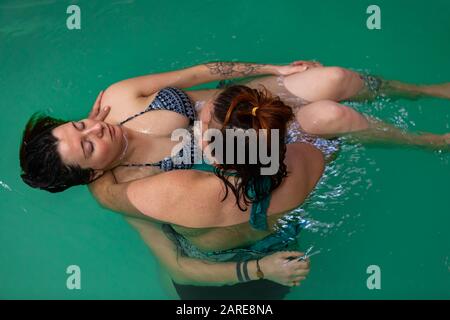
99,99
96,107
298,264
296,63
103,113
290,254
300,62
304,264
295,281
300,273
307,64
294,284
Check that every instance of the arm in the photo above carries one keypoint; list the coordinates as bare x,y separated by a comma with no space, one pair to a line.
159,198
154,198
112,195
214,71
185,270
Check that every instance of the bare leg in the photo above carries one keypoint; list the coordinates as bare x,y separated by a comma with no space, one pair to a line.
339,84
325,83
330,119
316,84
413,91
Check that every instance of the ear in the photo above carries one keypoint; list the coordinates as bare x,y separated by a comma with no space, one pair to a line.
96,174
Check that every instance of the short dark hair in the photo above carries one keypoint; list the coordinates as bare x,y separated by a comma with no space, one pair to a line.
41,164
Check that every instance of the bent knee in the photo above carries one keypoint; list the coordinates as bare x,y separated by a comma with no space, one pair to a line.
337,74
324,117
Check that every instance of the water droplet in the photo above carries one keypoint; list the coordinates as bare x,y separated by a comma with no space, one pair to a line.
5,186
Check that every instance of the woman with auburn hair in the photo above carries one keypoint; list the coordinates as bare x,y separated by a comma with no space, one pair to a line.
228,212
311,90
131,143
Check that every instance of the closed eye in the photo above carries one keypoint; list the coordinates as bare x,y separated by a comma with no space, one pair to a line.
79,125
88,146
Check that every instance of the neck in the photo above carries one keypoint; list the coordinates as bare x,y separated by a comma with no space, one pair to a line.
142,148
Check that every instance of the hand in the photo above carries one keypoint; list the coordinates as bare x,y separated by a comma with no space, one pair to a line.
96,113
283,268
296,67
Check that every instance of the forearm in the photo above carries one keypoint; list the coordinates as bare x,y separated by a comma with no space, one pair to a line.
186,78
226,70
216,71
200,272
182,269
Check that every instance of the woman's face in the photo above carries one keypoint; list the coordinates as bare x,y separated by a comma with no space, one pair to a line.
90,144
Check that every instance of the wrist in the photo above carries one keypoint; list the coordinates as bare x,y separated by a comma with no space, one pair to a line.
270,69
260,266
252,270
246,271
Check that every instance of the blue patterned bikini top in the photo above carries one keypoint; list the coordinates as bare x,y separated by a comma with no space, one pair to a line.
176,100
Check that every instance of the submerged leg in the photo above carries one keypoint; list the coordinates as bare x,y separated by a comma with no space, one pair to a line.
330,119
414,91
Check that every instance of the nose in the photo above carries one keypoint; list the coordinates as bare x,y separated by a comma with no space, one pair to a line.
96,129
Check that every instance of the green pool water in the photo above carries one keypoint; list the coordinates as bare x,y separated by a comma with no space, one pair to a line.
381,205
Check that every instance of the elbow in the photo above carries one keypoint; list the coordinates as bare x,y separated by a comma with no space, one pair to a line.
104,204
180,273
181,280
101,200
180,277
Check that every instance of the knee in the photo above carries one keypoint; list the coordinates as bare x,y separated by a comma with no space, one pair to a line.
322,118
337,74
331,114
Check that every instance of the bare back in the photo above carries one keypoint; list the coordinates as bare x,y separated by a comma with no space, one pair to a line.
197,212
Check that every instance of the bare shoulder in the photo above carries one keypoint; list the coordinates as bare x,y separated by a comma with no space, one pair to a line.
176,197
303,156
305,165
123,101
170,180
198,185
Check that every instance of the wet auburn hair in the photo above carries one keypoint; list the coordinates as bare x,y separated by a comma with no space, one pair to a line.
41,164
246,108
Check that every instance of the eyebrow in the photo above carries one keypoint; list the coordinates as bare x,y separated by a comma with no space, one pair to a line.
81,143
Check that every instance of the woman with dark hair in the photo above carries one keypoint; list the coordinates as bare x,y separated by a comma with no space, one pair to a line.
200,217
311,90
55,156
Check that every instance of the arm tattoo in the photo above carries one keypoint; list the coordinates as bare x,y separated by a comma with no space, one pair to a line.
234,69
